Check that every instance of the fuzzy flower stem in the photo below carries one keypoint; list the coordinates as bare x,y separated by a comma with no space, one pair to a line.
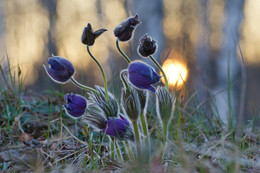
129,151
144,124
165,139
99,149
112,148
103,73
122,53
83,86
119,152
165,129
159,66
137,139
145,129
123,79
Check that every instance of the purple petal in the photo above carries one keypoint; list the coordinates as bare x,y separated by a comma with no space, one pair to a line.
60,69
142,75
117,127
151,88
76,105
55,75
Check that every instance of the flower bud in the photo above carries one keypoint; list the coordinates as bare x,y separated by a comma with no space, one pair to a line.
76,105
142,98
60,69
131,104
119,127
94,117
165,105
147,46
109,107
142,76
88,36
125,29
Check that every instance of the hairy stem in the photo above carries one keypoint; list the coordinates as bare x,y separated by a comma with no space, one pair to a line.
144,124
137,139
103,73
159,66
165,129
123,79
145,130
119,152
112,148
122,53
129,151
83,86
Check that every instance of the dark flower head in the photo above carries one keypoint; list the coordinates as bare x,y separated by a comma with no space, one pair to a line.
119,127
88,36
76,105
125,29
142,76
59,69
147,46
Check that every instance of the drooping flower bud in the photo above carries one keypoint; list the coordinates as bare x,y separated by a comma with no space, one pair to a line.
147,46
119,127
142,76
76,105
59,69
125,29
130,102
88,36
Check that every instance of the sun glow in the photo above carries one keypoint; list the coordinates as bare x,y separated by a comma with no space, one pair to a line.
176,73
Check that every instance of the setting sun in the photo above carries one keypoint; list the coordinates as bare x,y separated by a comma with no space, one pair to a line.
176,72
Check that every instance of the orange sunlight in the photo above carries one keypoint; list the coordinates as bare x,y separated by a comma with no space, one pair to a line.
176,72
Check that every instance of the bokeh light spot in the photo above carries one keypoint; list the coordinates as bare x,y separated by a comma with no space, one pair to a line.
176,73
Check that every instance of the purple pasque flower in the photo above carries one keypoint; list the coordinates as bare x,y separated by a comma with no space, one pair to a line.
147,46
125,29
59,69
142,76
76,105
119,127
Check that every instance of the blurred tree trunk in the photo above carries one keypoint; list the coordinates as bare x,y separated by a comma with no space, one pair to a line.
227,64
1,32
222,73
43,82
51,6
151,15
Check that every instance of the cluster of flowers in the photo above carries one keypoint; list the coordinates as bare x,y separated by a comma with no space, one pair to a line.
100,109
